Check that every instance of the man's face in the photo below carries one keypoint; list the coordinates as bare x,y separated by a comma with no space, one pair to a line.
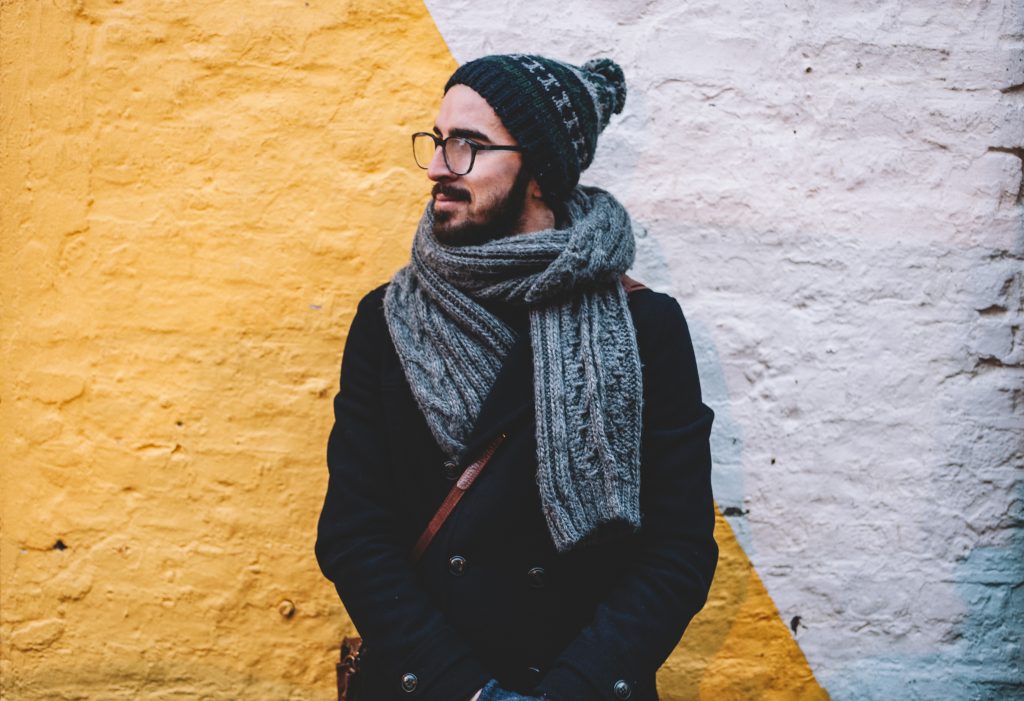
487,202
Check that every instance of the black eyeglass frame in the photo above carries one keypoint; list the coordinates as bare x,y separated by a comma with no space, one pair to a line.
473,148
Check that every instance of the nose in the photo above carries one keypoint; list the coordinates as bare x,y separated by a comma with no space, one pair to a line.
438,169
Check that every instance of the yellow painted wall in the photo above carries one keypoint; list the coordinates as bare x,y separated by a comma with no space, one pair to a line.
194,197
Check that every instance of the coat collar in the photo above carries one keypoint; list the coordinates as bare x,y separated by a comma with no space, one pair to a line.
510,397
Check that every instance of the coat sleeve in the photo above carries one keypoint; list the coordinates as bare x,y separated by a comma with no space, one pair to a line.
643,617
358,545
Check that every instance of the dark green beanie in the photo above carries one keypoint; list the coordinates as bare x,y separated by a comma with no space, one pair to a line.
554,110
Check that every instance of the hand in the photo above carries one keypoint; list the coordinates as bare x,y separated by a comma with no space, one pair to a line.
496,693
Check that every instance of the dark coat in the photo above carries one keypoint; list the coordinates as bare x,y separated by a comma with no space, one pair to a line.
595,623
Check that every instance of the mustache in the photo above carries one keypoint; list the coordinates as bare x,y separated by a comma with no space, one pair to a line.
453,193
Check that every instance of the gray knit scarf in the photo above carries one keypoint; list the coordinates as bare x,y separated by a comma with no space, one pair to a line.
587,382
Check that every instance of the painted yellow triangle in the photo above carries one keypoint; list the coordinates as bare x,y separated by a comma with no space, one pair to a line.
738,647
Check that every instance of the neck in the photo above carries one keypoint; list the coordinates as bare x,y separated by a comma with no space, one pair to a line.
536,218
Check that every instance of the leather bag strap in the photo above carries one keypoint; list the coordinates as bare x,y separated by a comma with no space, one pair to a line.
469,476
631,285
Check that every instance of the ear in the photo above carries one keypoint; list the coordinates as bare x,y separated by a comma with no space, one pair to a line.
533,192
537,214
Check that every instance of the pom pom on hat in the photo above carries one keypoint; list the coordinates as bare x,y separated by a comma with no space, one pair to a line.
611,72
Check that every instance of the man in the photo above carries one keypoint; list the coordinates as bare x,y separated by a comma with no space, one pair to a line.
583,549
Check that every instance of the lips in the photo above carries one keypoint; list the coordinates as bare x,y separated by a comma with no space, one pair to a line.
449,195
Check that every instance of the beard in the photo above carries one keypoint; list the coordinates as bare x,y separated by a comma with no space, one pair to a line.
498,221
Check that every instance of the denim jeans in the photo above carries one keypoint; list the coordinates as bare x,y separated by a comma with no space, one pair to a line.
493,692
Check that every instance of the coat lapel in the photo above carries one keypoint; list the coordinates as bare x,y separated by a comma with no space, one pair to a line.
510,397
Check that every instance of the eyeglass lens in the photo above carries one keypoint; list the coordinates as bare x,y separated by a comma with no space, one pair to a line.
458,153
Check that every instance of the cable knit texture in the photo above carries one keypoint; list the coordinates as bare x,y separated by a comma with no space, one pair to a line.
587,380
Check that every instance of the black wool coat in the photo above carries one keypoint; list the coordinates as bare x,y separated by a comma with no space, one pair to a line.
491,597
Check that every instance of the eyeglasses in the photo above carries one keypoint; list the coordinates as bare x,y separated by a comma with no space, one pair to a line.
459,153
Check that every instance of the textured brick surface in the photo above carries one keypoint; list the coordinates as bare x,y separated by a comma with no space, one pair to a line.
834,192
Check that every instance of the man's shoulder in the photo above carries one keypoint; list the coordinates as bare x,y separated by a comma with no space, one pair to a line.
369,326
373,301
662,333
376,295
651,309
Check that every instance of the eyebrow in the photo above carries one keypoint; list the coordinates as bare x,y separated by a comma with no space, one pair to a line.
465,133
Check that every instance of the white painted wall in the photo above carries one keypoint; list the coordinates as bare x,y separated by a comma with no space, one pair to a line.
821,185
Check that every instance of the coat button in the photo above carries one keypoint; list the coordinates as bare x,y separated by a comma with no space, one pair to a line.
450,470
622,690
537,577
457,565
409,682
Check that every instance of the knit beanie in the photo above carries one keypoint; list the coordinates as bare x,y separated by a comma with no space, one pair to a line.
553,109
